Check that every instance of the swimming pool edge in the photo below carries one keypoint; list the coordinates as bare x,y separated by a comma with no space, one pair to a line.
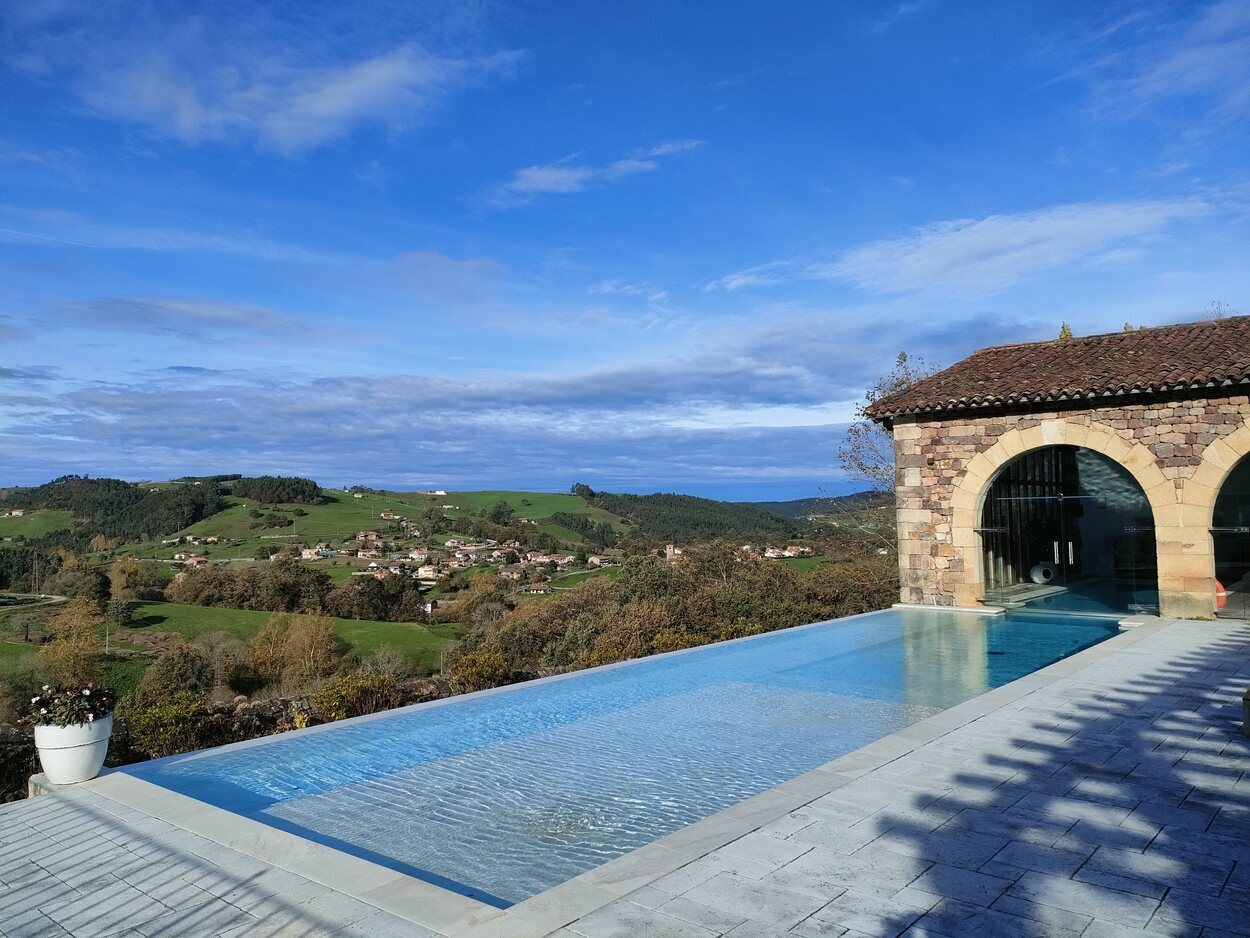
457,916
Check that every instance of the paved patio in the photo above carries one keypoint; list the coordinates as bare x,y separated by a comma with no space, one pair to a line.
1107,795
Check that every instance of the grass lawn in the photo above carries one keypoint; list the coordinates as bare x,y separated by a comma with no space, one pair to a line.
423,644
36,523
541,505
803,564
562,533
341,516
574,578
11,652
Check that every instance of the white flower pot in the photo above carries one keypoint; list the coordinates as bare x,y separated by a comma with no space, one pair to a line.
74,753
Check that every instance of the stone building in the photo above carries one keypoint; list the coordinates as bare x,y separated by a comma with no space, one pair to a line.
1107,473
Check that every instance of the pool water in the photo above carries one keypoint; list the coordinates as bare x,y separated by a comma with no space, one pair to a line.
503,795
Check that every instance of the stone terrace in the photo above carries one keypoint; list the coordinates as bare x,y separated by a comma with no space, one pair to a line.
1108,795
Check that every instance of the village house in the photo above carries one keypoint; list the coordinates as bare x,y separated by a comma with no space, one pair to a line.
195,563
537,589
368,537
1104,473
212,538
15,512
671,553
428,571
390,516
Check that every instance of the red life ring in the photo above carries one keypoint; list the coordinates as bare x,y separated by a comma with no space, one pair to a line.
1221,595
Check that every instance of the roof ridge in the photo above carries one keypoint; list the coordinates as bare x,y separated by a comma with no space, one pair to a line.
1121,334
1212,353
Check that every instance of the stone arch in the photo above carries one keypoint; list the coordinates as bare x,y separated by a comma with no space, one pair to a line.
1218,460
1195,543
972,486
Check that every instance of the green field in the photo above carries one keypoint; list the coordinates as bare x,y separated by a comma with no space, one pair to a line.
12,651
540,505
574,578
343,514
803,564
423,644
36,523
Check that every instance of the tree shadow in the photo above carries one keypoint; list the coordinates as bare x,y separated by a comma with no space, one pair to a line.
1101,801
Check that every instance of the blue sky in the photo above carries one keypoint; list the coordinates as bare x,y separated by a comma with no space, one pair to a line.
643,246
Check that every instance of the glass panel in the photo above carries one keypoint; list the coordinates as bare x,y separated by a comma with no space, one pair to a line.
1230,533
1068,529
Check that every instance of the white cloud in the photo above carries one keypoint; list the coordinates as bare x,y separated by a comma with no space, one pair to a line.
1211,57
899,14
288,110
249,77
981,256
565,177
989,254
622,288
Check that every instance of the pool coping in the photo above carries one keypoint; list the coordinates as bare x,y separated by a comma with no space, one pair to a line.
457,916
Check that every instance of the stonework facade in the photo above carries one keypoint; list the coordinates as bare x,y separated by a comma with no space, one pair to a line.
1179,448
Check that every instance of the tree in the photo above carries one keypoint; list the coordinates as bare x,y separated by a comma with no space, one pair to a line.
73,654
179,669
500,513
312,650
121,571
582,490
867,452
1065,331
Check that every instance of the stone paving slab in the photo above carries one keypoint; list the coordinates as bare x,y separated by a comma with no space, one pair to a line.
1107,795
1112,800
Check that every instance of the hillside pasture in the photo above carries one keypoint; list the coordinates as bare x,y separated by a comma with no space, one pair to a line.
420,643
36,523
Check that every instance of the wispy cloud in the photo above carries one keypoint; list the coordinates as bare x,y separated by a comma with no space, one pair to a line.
622,288
1197,56
568,176
980,256
200,80
196,321
898,14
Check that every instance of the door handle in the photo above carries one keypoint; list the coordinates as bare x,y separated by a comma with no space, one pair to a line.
1071,555
1056,551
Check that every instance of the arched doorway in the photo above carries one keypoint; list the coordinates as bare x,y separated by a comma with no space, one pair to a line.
1230,534
1067,528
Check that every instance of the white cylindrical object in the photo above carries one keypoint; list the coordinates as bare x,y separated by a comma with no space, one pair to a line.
71,754
1042,573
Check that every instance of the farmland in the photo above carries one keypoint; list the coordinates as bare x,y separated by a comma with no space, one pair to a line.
420,643
36,523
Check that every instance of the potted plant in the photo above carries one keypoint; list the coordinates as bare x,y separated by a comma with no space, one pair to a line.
72,724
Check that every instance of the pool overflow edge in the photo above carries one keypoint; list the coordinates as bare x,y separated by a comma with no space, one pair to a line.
458,916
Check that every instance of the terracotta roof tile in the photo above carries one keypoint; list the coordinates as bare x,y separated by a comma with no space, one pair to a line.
1201,354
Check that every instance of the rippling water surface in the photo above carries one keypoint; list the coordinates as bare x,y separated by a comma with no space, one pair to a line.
501,796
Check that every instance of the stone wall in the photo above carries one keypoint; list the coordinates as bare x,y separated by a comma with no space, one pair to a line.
1179,449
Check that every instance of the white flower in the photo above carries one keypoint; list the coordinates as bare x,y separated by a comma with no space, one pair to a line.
86,693
45,687
44,711
90,717
34,700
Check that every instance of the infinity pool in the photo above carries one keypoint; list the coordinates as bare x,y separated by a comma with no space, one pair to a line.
502,795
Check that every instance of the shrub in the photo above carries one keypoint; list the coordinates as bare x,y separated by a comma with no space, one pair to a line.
178,723
179,669
478,670
353,695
